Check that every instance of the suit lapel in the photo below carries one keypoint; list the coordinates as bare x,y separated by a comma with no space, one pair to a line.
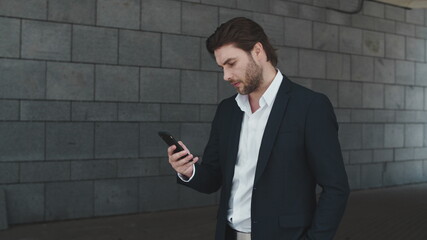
273,124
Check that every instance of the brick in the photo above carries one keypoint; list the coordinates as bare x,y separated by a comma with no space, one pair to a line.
384,70
139,167
371,175
190,198
78,11
305,82
207,112
287,60
411,116
420,153
68,200
414,135
93,111
393,135
69,81
364,22
204,82
207,60
420,74
394,97
362,68
69,141
118,13
225,3
346,157
151,145
425,169
139,112
22,79
94,44
35,9
373,136
415,16
9,110
425,134
350,40
415,49
273,26
9,173
350,136
298,33
93,169
383,155
405,29
405,72
158,193
21,141
44,40
414,97
199,20
3,211
373,43
335,17
180,113
116,140
284,8
312,13
317,68
349,94
226,14
374,9
180,52
329,88
162,16
116,83
225,90
394,13
10,32
384,116
362,115
139,48
337,66
153,82
44,171
25,203
253,5
360,156
45,111
404,154
343,115
325,37
116,197
425,99
384,25
421,32
353,173
397,173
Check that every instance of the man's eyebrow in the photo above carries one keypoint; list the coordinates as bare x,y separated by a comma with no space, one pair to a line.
227,61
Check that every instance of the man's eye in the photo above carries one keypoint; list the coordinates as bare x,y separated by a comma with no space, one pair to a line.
231,64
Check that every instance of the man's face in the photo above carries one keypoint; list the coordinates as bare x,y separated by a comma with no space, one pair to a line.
239,67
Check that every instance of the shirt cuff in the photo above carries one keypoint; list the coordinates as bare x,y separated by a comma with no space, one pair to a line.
186,179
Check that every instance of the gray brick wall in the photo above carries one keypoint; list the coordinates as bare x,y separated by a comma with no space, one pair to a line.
85,85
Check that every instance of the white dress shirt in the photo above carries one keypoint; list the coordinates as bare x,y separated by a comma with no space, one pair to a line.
252,131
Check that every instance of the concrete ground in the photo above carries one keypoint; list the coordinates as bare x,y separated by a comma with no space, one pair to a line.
398,213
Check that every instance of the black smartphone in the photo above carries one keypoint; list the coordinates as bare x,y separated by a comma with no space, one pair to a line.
170,140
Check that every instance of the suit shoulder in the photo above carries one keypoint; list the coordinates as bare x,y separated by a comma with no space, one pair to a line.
306,93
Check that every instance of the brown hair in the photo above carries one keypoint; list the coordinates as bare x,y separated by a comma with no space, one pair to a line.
244,34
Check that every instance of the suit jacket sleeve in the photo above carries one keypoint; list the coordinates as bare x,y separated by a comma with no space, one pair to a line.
326,163
208,176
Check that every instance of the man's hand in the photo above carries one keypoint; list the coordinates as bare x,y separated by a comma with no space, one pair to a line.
183,166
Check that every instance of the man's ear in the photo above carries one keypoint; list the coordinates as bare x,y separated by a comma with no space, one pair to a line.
258,51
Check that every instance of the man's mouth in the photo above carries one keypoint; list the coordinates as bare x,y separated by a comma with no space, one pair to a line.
236,84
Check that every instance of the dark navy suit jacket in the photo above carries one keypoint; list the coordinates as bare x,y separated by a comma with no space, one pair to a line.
299,149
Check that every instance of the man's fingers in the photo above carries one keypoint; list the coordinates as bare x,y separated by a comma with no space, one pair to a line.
171,149
183,146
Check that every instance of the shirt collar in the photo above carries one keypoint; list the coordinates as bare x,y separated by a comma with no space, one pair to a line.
266,99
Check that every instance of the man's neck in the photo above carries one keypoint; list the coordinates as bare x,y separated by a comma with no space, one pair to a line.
267,78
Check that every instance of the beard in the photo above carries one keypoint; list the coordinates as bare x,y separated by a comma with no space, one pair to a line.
253,77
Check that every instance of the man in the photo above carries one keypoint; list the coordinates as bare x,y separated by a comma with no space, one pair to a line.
268,148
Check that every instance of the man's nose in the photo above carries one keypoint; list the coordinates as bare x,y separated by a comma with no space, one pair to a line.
227,75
